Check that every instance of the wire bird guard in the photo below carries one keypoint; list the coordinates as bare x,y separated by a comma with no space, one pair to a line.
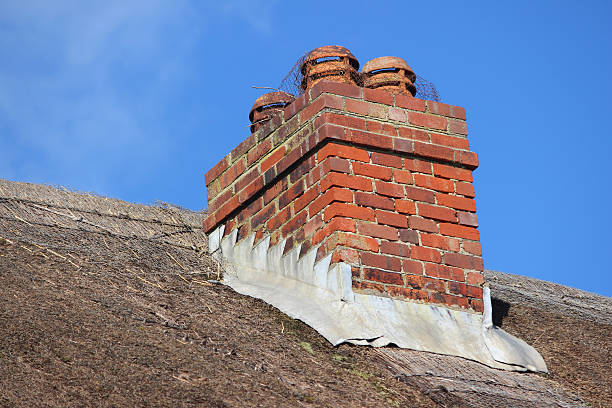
292,82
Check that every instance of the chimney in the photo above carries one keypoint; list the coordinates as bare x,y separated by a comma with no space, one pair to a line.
360,196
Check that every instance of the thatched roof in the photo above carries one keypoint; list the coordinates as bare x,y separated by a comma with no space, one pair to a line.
108,303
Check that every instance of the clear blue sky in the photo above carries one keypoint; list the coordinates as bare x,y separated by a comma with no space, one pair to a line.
137,99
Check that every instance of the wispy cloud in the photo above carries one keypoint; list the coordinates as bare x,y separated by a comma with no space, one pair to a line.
80,83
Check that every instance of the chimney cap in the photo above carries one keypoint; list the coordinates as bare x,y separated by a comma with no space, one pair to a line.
385,63
330,51
271,98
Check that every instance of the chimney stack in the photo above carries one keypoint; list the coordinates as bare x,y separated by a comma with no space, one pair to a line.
356,205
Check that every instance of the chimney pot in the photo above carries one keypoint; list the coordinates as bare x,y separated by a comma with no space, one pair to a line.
390,73
331,63
266,106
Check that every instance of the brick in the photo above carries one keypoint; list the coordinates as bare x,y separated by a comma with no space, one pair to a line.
404,146
389,189
366,108
450,141
417,165
314,224
397,115
306,198
388,263
380,127
259,151
243,147
436,213
391,218
220,200
438,241
262,216
451,300
289,243
231,174
227,208
374,200
427,121
209,223
422,224
467,218
459,203
302,168
378,96
345,180
295,107
378,275
402,176
352,241
274,191
463,261
434,183
336,88
472,247
434,151
457,126
395,248
474,278
341,120
408,235
369,170
451,172
216,170
466,189
347,152
334,164
474,292
378,231
318,104
408,102
407,293
438,108
288,160
369,139
412,266
348,210
457,288
336,224
425,254
347,255
477,305
369,286
291,194
418,194
444,272
279,219
459,231
405,206
295,223
387,160
414,134
446,110
468,159
272,159
249,191
330,196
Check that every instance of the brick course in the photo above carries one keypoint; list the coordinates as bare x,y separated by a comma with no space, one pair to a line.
382,182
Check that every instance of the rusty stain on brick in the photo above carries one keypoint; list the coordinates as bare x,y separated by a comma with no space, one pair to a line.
332,63
392,74
266,106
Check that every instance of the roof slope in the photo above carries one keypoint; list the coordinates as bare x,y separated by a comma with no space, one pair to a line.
110,303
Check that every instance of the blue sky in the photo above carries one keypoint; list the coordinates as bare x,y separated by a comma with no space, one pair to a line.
137,99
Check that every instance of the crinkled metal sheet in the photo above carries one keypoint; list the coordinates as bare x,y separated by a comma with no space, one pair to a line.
322,297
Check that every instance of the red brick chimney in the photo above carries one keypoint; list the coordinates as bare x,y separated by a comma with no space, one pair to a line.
369,179
381,181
